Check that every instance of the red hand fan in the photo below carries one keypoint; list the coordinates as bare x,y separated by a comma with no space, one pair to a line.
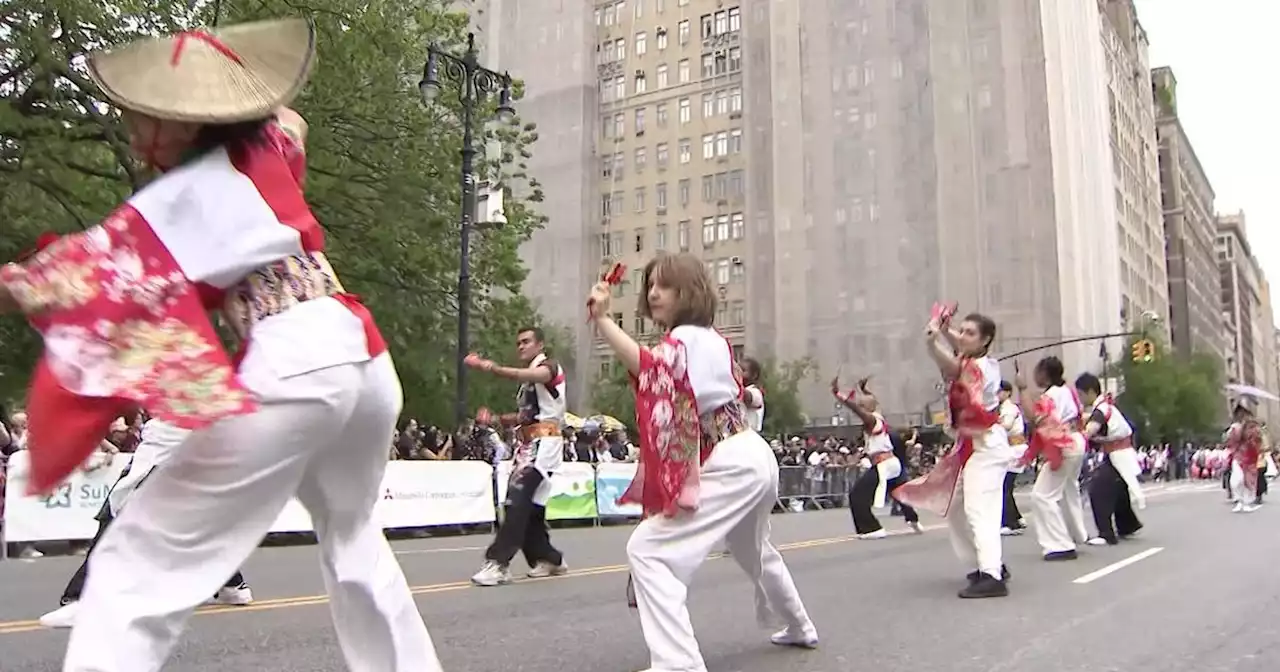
612,278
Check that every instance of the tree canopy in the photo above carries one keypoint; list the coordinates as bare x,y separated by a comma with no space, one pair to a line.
383,169
1173,399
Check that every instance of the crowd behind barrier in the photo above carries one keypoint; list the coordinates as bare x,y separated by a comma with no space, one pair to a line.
415,494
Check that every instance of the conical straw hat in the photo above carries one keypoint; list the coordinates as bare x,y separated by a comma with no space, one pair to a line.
222,76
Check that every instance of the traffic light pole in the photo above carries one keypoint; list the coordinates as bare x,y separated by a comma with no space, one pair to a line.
1069,341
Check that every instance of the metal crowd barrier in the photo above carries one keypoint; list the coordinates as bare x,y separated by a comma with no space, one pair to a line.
806,487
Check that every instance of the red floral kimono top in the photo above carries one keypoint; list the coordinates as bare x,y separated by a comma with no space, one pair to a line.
690,370
122,307
970,417
1244,440
1056,426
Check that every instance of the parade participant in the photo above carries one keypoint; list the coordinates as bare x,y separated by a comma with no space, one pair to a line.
1244,441
1055,497
1265,462
870,491
540,405
704,476
752,394
309,408
973,473
1110,494
158,441
1011,522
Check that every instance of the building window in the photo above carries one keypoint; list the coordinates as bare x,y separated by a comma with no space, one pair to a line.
619,88
619,165
722,227
660,111
639,9
641,84
735,99
708,106
616,206
735,19
735,59
683,31
738,222
708,188
722,185
738,313
683,193
722,101
620,49
739,273
708,27
685,111
686,150
683,67
709,146
736,183
722,23
708,66
639,240
735,141
640,44
682,235
639,325
662,155
606,167
661,34
640,199
722,143
640,120
659,240
662,76
619,125
660,198
708,231
606,205
641,159
722,272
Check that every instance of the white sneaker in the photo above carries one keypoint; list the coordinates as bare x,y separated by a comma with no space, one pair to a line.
29,553
545,569
1238,507
1010,532
233,596
1097,541
799,640
878,534
916,527
491,574
1249,508
62,617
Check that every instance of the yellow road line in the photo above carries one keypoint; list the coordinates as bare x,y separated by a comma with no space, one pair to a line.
17,627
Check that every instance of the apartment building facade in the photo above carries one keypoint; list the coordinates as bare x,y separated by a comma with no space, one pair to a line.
1187,197
1135,167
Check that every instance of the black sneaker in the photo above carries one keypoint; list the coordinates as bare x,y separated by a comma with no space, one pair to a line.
1059,556
973,577
986,586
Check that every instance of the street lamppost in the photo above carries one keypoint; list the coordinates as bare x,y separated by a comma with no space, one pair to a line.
474,83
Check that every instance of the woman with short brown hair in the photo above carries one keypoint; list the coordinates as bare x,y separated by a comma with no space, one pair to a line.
704,475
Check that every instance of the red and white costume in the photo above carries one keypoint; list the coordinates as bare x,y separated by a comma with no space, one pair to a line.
967,485
309,408
1055,498
1244,440
704,477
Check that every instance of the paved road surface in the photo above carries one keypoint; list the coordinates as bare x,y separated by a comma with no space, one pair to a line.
1201,597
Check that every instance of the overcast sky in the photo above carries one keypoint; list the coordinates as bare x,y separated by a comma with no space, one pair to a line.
1224,55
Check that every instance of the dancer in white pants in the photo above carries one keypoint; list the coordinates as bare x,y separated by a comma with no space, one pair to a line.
1055,498
1244,440
704,475
967,485
312,405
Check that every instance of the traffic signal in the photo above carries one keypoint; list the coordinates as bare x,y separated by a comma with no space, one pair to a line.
1144,351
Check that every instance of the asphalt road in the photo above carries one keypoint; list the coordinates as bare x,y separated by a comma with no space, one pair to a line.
1202,596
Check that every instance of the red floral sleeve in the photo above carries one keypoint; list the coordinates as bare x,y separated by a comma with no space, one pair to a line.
1051,435
667,477
122,327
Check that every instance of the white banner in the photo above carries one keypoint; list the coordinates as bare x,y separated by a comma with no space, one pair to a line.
573,490
67,512
414,494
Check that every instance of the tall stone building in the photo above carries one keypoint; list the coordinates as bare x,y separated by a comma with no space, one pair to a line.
1135,168
1195,288
1246,309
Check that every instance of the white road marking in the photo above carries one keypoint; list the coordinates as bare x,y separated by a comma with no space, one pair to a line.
1115,567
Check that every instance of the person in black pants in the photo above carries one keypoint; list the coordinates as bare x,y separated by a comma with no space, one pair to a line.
1011,419
1109,495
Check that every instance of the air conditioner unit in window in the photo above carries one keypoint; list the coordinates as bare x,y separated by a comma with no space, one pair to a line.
736,261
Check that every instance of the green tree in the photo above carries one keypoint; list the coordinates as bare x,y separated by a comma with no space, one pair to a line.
1171,399
382,169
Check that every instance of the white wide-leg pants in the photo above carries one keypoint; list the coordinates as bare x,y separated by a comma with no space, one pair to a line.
322,435
1126,463
1240,493
1055,499
739,488
976,510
